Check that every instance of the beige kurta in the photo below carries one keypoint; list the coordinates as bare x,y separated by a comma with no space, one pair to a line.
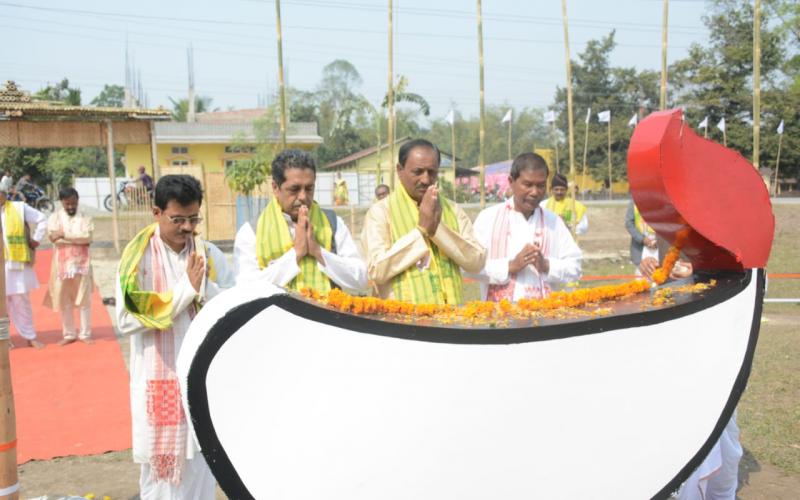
385,260
77,289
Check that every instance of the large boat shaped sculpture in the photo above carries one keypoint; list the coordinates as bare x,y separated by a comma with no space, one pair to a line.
292,400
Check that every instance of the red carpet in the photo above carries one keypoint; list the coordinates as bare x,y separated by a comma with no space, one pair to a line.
70,400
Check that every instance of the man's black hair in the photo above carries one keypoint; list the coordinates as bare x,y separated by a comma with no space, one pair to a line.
67,192
406,149
527,161
182,188
381,186
291,158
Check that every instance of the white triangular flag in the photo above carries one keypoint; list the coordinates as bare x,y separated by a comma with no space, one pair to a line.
451,117
604,116
780,128
550,116
721,124
704,123
634,120
588,115
507,118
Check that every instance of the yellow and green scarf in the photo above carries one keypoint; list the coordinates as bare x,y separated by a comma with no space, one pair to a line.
273,240
641,225
440,283
16,249
152,309
563,209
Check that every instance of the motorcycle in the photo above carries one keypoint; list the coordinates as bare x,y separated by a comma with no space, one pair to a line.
127,193
36,197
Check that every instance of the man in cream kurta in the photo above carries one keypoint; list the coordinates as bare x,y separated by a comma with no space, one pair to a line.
390,257
177,218
20,277
293,178
71,284
530,249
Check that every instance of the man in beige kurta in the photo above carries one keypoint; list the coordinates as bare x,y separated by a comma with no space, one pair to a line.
387,260
71,272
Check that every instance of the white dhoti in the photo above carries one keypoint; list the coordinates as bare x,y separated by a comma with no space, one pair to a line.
718,476
21,314
197,482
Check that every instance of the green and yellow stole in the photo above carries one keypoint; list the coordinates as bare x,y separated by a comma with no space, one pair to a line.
152,309
273,239
563,209
440,283
16,249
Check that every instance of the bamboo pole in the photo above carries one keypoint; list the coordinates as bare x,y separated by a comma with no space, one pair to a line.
585,152
154,152
662,102
281,86
113,179
756,83
390,99
9,480
570,125
453,152
555,144
510,125
610,183
482,130
777,165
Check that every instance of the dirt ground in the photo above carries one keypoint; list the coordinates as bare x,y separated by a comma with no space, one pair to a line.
115,475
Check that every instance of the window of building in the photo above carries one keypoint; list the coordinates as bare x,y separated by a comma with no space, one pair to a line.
240,149
180,163
180,150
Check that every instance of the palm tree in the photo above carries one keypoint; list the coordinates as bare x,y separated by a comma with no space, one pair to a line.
401,95
180,108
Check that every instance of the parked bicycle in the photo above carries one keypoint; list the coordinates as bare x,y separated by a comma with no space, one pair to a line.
130,195
36,197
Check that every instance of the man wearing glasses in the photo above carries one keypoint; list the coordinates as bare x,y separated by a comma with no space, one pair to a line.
166,274
297,244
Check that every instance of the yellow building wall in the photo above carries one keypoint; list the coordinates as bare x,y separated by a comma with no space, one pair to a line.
210,156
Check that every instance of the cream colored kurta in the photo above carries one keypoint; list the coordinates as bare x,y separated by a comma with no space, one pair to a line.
20,277
385,260
78,289
183,296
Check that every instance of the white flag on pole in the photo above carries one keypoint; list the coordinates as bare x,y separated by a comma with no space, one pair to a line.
507,118
704,123
588,115
451,117
604,116
780,128
634,120
550,116
721,124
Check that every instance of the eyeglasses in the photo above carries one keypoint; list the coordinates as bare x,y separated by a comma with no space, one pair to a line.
179,221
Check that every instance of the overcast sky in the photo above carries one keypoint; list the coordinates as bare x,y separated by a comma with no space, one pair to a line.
235,53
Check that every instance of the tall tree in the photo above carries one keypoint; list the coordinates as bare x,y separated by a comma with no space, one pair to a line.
180,107
112,96
60,92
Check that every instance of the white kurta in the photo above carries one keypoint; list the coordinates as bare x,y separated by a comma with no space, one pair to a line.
183,296
563,254
20,277
346,267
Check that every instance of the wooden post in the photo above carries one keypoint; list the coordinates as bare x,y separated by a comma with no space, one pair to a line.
585,152
8,421
756,83
390,101
282,93
113,176
154,152
777,165
482,129
510,124
570,126
662,102
610,183
555,145
453,152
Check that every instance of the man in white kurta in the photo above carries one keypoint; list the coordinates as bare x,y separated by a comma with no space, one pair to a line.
196,481
20,277
71,283
294,175
529,249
